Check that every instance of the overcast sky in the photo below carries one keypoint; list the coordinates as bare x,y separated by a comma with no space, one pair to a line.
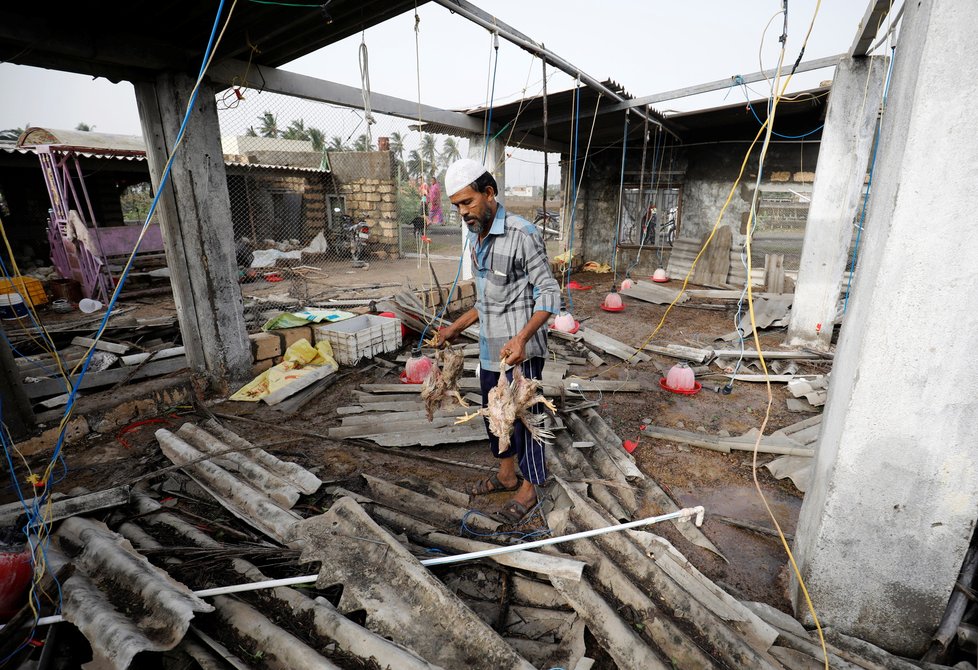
647,46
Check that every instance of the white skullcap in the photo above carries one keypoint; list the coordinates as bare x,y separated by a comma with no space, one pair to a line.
461,173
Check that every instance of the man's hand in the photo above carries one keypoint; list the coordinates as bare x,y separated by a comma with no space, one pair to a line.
444,336
513,352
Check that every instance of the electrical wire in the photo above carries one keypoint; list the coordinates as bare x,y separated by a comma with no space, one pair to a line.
38,526
621,195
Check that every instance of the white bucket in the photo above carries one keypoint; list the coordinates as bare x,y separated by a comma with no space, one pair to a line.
12,306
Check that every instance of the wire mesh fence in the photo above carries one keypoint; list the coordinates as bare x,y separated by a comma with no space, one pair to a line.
317,192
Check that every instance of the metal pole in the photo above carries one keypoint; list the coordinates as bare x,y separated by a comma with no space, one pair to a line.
695,513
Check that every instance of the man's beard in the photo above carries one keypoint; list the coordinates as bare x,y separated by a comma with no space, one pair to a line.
475,225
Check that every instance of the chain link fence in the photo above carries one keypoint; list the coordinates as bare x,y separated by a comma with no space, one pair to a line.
326,206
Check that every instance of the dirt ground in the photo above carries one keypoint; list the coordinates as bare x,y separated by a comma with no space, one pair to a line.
755,564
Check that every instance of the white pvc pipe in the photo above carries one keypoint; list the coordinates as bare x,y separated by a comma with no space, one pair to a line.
694,512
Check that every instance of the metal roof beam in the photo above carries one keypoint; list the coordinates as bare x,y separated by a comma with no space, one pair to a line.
228,72
492,24
876,11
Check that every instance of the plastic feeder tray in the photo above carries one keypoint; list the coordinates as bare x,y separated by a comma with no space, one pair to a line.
693,391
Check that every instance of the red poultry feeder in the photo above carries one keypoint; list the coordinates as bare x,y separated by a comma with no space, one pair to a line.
416,369
15,576
627,283
681,379
613,303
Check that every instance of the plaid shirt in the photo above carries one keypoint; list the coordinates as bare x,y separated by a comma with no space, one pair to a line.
513,280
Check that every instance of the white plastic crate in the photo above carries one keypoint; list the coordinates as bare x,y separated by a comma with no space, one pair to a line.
363,336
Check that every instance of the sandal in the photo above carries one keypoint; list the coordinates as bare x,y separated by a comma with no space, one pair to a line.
515,511
492,484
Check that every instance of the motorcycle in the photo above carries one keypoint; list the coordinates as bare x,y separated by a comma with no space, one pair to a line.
548,223
668,231
357,233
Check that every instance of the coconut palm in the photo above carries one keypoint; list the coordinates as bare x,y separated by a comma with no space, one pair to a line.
363,143
449,151
251,132
336,144
84,127
296,131
429,152
414,163
397,145
318,139
269,125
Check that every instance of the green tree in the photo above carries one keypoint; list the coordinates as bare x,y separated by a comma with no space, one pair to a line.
449,151
363,143
336,144
429,152
296,131
414,164
84,127
318,139
251,132
269,125
397,148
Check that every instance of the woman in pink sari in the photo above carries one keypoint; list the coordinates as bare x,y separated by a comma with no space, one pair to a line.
434,203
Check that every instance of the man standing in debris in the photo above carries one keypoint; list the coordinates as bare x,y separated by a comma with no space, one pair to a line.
515,295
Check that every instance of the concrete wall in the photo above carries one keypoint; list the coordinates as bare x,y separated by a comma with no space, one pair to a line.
892,510
706,174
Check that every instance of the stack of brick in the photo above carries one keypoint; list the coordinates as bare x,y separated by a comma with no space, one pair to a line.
462,298
267,348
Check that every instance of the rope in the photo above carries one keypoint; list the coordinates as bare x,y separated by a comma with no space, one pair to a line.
492,92
368,116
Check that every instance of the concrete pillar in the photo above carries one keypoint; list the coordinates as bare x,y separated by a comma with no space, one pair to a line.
893,505
840,179
195,217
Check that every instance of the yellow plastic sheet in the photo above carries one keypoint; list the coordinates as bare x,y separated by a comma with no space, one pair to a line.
300,360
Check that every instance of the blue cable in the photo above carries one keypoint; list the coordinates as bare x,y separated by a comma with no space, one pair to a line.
492,95
869,186
570,246
35,517
621,195
784,137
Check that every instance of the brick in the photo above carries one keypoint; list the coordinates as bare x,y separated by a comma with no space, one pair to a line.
780,176
261,366
373,197
467,289
265,345
804,177
290,336
44,443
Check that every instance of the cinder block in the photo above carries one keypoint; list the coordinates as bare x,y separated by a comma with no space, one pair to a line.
265,345
261,366
467,289
290,336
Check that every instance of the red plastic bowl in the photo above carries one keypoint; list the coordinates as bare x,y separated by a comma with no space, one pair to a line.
693,391
577,327
15,576
612,309
405,380
660,281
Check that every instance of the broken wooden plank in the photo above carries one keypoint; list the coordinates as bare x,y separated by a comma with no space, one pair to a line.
714,263
47,387
101,345
135,359
66,507
684,437
774,273
431,437
679,351
612,346
654,293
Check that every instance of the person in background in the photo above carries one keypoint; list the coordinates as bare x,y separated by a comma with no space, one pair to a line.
434,203
516,294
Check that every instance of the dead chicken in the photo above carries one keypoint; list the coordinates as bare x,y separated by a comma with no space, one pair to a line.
510,402
440,387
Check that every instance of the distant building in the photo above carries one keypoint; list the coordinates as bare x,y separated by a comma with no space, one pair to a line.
520,191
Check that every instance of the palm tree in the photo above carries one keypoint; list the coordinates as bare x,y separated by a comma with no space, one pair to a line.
251,132
449,151
429,152
269,125
414,163
318,139
296,131
84,127
363,143
397,148
336,144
